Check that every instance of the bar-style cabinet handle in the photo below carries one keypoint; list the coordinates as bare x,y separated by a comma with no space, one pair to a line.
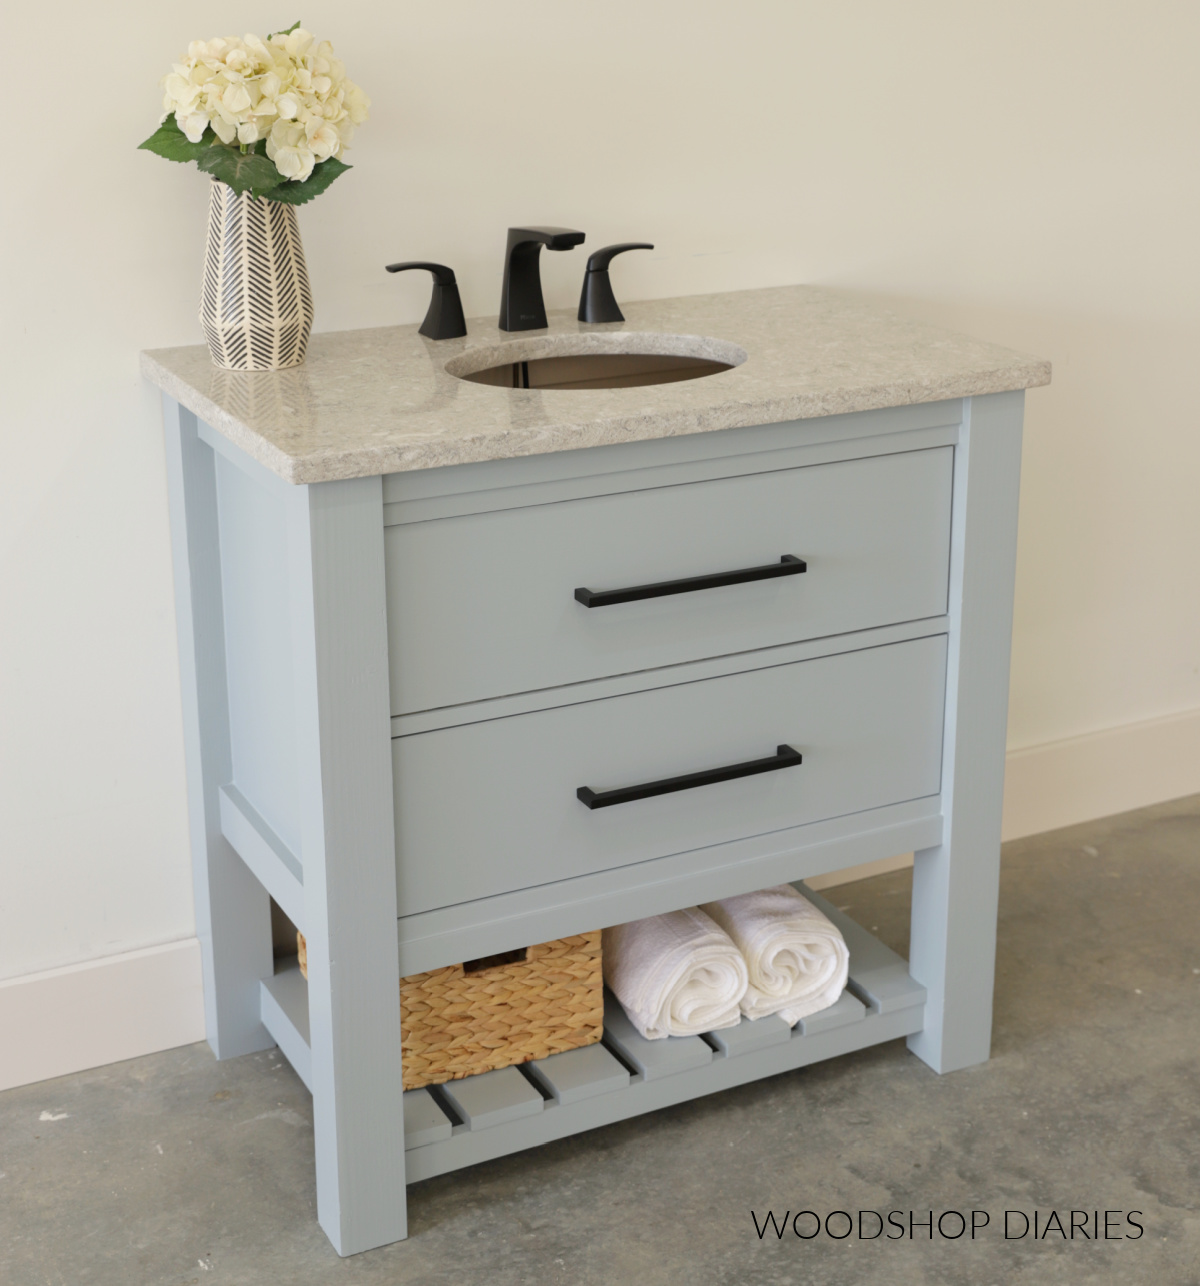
784,757
788,565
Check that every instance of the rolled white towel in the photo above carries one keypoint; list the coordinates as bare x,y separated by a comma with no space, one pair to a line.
676,974
797,959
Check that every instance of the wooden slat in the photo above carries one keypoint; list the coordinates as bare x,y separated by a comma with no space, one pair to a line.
750,1035
493,1098
424,1121
846,1009
283,999
654,1059
557,1120
579,1073
273,864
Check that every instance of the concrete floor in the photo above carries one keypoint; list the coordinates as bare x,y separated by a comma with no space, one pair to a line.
176,1169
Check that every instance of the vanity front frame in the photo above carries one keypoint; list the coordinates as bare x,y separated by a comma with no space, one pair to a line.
283,628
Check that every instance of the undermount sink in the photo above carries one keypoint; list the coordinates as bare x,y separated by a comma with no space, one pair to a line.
595,360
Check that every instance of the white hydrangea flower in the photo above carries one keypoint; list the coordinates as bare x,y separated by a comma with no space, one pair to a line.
288,90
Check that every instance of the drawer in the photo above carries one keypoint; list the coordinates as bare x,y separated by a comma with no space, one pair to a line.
491,807
484,605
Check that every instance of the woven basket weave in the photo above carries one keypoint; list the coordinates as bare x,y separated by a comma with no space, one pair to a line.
491,1013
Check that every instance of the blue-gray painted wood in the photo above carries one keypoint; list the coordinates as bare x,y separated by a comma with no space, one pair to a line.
619,685
579,1073
232,908
557,1120
347,846
274,865
483,605
424,1121
581,486
322,605
956,884
749,1035
256,606
653,1059
493,1098
629,466
284,1000
511,920
266,479
491,807
847,1008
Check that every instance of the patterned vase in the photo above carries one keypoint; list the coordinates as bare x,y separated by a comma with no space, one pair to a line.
256,307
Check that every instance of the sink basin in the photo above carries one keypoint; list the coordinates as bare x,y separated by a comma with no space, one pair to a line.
595,360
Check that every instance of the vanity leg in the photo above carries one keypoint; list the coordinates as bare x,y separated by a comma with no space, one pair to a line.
956,884
344,752
233,919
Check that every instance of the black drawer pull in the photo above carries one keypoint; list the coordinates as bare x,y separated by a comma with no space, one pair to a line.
788,565
784,757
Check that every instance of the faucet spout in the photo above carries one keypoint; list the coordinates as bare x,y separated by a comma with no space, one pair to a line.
521,303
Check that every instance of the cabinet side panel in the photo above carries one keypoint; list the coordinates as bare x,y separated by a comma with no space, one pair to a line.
254,578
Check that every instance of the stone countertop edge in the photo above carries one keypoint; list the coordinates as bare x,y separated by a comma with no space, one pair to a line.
812,351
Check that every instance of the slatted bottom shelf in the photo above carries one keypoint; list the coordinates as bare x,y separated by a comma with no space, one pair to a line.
520,1107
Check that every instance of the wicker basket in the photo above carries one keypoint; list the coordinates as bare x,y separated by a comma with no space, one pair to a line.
500,1010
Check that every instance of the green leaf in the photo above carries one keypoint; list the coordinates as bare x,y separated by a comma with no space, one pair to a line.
170,141
324,173
294,27
248,172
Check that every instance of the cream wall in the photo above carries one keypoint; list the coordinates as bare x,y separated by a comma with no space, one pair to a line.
1026,171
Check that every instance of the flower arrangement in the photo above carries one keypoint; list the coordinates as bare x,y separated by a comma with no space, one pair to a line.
269,117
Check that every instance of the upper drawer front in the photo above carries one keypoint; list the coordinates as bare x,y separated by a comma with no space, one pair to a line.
491,807
483,605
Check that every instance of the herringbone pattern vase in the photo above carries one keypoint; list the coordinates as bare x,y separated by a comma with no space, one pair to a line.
256,307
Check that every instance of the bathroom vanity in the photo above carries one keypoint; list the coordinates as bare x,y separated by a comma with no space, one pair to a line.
427,619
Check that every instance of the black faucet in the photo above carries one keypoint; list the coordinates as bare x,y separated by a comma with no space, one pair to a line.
598,303
521,303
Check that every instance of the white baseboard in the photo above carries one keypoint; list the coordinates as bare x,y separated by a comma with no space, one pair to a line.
1112,771
100,1011
118,1007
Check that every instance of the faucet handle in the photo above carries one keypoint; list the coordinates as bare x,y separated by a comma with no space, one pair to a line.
444,320
598,303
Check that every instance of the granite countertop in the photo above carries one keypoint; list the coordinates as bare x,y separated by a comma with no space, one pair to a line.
380,401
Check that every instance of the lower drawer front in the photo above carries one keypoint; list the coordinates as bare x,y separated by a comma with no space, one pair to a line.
491,807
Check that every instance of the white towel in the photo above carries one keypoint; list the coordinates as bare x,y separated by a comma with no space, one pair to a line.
676,974
797,959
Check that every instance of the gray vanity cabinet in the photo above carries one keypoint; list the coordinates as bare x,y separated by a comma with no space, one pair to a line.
394,693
